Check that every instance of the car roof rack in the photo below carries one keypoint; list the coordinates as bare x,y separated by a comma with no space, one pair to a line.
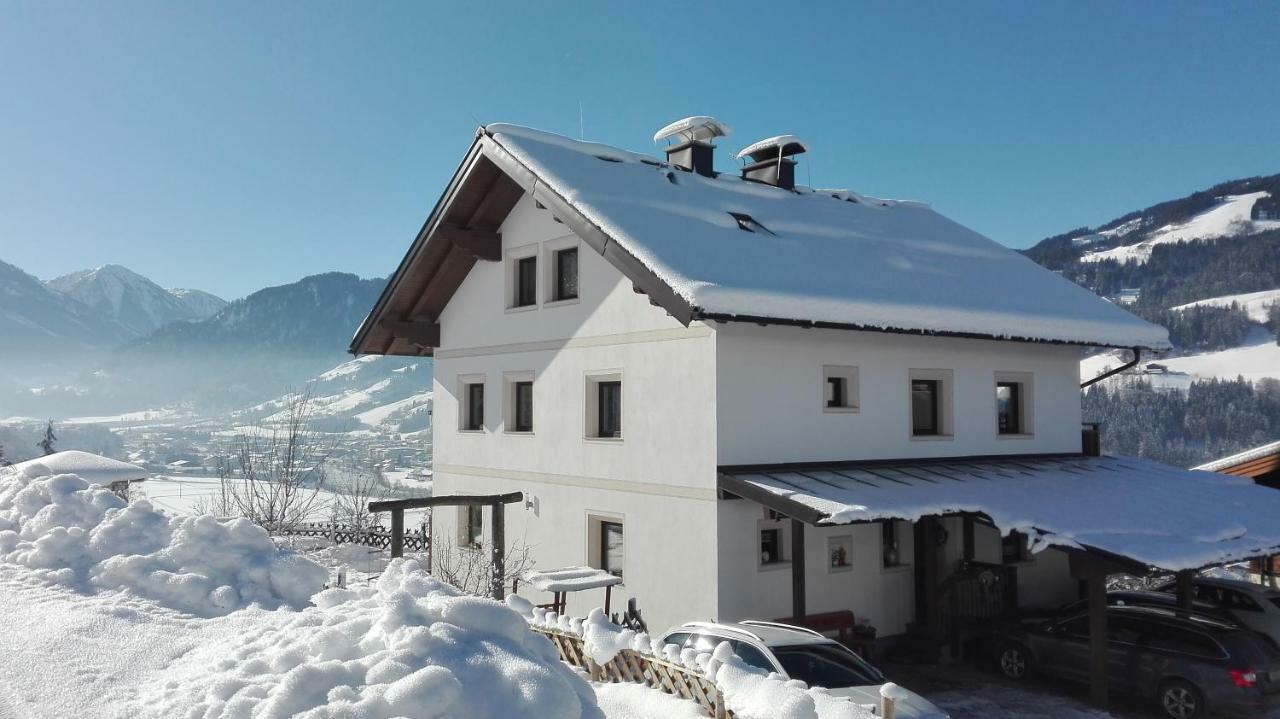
781,625
722,628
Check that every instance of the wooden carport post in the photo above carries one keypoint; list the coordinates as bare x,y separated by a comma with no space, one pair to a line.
1098,638
499,512
1184,589
797,571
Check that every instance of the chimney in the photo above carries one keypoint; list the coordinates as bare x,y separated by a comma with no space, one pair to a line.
771,161
692,136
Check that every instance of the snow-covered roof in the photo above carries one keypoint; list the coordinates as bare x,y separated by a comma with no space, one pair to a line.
1148,512
570,579
823,257
1244,457
92,468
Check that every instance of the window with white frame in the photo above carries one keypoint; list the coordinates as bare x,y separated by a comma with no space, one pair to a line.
604,405
891,544
471,526
564,283
522,277
930,403
773,542
471,403
606,543
839,388
518,402
1013,403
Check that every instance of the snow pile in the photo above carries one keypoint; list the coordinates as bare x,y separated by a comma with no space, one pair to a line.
92,467
749,692
78,534
407,646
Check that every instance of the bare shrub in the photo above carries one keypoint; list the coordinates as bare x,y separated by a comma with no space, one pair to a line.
350,505
470,569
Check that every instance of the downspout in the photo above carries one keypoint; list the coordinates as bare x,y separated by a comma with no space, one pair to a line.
1137,355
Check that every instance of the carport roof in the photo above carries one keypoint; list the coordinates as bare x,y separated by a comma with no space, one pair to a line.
1149,513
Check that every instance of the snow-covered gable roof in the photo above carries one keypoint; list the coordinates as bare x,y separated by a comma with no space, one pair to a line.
823,257
90,467
1147,512
1247,457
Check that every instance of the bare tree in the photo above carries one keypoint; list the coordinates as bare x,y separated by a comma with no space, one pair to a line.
470,568
276,474
350,506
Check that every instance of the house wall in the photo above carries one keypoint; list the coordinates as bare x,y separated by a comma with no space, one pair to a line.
770,395
659,479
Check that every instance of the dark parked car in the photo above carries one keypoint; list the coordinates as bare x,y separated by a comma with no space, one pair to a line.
1189,666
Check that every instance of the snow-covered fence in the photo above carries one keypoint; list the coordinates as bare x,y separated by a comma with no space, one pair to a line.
638,668
719,681
376,536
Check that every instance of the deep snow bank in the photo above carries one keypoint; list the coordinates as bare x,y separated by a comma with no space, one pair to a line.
407,646
78,534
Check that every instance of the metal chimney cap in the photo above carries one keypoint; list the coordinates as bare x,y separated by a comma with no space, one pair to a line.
699,128
771,148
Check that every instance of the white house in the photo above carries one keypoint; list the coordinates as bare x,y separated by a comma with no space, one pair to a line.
755,399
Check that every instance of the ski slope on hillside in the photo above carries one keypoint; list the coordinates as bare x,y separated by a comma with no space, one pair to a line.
1255,304
1231,218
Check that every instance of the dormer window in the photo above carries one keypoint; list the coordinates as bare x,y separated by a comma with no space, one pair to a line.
526,279
748,223
566,279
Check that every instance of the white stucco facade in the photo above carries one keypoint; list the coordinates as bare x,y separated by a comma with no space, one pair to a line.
695,398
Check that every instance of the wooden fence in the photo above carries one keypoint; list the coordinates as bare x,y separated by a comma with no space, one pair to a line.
637,668
376,536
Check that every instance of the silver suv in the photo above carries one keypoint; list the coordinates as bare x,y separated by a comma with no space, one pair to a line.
799,653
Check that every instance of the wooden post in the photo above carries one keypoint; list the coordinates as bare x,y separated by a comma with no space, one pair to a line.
499,547
887,709
1098,638
1184,589
608,591
970,552
797,571
928,610
397,533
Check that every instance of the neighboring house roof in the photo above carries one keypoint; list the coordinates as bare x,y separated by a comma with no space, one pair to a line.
90,467
1150,514
1249,463
728,249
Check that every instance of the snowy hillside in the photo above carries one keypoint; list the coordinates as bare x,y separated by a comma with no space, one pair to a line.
1231,217
1255,304
137,303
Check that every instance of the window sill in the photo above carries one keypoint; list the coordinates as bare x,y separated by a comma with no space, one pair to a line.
932,437
561,303
518,432
895,569
773,566
841,410
521,308
471,431
603,440
840,570
1015,435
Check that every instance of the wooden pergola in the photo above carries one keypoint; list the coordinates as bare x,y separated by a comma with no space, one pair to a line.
497,502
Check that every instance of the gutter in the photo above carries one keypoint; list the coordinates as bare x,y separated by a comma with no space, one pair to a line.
1137,355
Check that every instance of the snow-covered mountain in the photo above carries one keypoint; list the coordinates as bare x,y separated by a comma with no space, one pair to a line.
135,302
36,320
1230,216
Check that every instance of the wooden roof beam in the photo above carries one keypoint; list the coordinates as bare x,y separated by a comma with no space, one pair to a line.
480,244
422,334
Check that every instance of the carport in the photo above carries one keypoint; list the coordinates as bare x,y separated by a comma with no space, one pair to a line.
1111,514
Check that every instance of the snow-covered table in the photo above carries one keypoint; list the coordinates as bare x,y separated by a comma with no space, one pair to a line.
571,579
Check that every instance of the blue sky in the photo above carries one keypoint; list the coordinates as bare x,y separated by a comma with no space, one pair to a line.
234,145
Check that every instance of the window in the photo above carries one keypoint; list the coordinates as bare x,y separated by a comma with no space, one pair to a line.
472,534
1014,548
1184,641
924,407
771,546
890,549
611,547
751,655
523,401
566,278
839,388
526,288
826,665
473,412
609,404
1008,407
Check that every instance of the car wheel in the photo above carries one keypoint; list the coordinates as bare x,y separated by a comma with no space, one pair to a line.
1015,662
1181,700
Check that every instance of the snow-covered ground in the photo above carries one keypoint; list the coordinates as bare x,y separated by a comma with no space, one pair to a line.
1255,304
1253,362
1230,218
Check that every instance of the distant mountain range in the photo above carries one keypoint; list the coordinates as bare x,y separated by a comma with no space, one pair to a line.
139,305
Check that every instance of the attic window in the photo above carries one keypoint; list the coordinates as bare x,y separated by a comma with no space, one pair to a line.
606,158
748,223
655,163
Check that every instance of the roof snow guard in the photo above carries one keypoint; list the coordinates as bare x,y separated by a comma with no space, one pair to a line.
1145,512
831,258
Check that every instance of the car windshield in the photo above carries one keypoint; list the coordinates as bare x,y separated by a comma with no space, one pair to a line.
826,665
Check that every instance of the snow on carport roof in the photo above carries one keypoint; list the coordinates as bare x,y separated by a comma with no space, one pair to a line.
1153,514
88,466
821,256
